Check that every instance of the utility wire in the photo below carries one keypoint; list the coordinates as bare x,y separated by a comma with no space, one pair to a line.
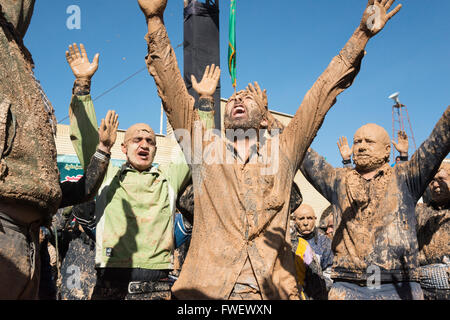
119,84
112,88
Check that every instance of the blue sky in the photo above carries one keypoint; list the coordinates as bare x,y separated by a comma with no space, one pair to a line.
284,45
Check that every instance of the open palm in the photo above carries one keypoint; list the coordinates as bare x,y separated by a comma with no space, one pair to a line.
79,62
376,15
208,85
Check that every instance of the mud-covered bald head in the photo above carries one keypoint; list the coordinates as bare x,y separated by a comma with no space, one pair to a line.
136,128
140,146
371,147
305,219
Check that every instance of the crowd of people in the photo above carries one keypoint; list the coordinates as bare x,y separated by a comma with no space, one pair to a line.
224,219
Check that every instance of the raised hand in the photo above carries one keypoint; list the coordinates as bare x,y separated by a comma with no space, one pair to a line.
208,85
376,15
108,131
153,8
261,100
403,144
259,96
344,148
79,62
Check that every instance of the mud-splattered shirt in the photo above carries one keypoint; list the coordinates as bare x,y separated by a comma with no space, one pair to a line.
375,219
241,210
433,233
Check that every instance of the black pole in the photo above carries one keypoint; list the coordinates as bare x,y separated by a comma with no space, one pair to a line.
201,45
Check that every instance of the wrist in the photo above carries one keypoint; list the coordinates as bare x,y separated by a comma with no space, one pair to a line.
354,49
205,103
104,148
346,161
207,97
154,23
82,86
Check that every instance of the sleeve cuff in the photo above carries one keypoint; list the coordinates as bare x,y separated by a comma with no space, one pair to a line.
206,105
344,162
101,155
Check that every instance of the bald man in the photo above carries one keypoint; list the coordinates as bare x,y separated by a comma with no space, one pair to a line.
135,206
375,247
317,281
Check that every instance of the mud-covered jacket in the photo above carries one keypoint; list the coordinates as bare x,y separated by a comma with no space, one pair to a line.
28,170
433,233
375,219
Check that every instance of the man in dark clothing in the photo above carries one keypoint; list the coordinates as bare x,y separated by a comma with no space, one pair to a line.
317,278
433,234
374,207
77,253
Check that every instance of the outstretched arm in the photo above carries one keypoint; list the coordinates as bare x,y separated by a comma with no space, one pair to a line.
319,173
338,76
425,162
83,121
162,65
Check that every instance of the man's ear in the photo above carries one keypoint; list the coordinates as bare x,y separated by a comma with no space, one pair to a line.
388,149
124,148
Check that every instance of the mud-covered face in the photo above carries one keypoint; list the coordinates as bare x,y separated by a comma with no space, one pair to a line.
140,147
242,112
371,148
305,219
330,227
439,187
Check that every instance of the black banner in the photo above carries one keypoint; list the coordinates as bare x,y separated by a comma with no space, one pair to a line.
201,45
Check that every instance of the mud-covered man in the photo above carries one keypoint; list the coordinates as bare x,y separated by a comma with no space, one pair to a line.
375,242
30,192
240,247
135,206
433,233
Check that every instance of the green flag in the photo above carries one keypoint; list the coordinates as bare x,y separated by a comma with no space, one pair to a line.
232,43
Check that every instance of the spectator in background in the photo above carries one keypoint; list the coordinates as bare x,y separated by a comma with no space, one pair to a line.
433,234
317,280
326,223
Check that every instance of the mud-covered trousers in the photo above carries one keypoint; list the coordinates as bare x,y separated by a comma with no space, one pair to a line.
342,290
19,259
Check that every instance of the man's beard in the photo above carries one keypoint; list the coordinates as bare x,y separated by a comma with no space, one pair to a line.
367,164
253,121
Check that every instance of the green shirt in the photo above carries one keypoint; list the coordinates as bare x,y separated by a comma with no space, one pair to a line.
135,210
